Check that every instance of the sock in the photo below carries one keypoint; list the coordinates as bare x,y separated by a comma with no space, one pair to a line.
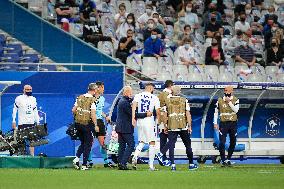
151,155
173,165
104,154
90,156
76,159
138,149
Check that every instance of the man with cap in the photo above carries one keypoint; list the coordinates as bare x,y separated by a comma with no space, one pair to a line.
145,102
84,111
228,106
179,123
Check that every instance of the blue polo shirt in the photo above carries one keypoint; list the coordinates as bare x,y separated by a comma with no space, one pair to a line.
99,107
152,47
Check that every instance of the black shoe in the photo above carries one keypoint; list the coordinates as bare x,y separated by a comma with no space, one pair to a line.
109,165
90,165
123,167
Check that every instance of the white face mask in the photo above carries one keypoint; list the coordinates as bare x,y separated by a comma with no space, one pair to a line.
129,20
92,18
188,9
248,11
62,1
186,46
155,20
148,11
150,25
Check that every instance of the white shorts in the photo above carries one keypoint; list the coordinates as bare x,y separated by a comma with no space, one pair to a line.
146,130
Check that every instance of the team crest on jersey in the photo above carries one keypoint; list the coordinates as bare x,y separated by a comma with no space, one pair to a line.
273,126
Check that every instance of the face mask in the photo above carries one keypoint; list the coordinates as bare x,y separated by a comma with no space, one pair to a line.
273,44
155,20
213,19
214,44
129,20
148,11
188,9
228,95
150,25
273,28
181,19
154,36
186,46
62,1
248,11
29,93
243,19
214,1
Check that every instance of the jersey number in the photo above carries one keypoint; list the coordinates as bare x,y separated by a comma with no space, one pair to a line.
145,104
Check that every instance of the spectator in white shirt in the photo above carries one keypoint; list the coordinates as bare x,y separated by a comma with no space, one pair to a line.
242,24
142,20
120,17
190,17
26,106
186,54
129,23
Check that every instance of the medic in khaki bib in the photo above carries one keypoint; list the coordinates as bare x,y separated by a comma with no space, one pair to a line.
228,106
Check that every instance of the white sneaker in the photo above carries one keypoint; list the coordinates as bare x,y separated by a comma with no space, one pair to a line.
153,169
76,163
134,163
84,168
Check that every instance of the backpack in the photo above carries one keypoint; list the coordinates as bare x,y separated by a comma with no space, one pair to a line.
83,111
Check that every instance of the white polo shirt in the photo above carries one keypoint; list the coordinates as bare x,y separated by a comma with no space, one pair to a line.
26,106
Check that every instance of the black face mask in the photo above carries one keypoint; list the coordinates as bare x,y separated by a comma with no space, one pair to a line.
214,44
29,93
213,19
228,95
273,44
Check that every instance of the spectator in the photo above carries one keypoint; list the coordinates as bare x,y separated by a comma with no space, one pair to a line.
153,46
245,54
121,16
151,25
235,42
179,25
270,16
218,37
207,16
240,6
268,30
214,55
159,21
142,20
190,17
280,37
87,8
92,32
242,24
213,26
106,7
221,7
186,54
129,23
187,33
63,10
274,54
125,46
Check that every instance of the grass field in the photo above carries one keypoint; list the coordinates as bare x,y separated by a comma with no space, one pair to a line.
207,176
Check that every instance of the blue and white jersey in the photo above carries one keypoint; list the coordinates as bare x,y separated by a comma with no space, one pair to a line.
146,102
99,107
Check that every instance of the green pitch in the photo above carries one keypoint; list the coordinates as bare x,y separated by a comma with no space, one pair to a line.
207,176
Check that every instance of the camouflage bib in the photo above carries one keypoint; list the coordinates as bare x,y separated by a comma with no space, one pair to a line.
226,113
83,111
176,107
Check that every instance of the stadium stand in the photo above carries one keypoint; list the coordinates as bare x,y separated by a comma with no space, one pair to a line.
233,21
16,56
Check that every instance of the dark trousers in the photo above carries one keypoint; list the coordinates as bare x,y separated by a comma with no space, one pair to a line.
86,138
229,127
163,140
124,152
170,145
122,56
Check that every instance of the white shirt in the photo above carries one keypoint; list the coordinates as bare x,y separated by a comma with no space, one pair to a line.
144,18
93,106
242,26
187,54
191,19
26,106
235,108
121,18
122,30
146,102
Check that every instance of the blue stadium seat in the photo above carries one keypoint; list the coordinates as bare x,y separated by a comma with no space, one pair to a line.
15,49
30,58
11,57
2,40
1,51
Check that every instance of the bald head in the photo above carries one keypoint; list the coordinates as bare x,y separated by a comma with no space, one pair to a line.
28,90
127,91
176,90
228,89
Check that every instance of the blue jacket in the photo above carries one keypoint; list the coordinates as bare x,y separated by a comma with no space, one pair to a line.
124,116
152,47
